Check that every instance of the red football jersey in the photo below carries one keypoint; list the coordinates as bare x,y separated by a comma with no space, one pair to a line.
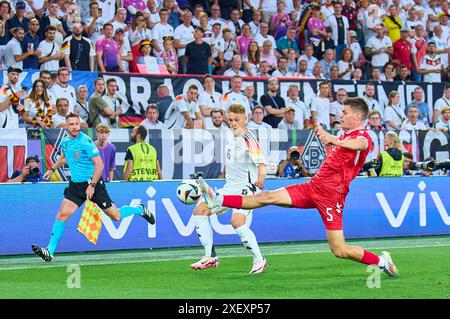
342,165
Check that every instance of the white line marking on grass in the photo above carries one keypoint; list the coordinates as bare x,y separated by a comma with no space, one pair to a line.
172,254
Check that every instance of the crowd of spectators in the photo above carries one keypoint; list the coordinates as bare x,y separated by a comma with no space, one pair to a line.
346,39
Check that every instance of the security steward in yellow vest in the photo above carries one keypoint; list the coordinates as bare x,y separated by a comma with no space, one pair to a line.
141,163
390,162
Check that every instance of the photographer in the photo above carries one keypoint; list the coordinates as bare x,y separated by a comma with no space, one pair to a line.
30,173
292,166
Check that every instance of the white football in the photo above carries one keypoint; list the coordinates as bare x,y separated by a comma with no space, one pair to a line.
188,192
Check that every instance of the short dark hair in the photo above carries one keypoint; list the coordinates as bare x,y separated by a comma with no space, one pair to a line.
71,115
50,28
32,158
45,72
217,111
193,86
207,76
142,131
61,99
110,80
152,106
359,105
323,82
108,24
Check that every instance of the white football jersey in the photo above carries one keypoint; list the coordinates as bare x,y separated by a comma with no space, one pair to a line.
243,155
174,118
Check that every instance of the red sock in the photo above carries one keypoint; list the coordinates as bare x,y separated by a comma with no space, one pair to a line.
369,258
232,201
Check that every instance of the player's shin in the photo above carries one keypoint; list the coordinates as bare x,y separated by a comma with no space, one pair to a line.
57,232
126,211
248,239
205,234
232,201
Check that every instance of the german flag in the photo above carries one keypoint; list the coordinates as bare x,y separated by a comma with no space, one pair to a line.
127,121
65,46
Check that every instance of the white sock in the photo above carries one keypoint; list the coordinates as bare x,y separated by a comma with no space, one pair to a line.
248,239
205,234
219,200
381,263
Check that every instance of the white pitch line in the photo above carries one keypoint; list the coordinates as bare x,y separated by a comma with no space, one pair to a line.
95,258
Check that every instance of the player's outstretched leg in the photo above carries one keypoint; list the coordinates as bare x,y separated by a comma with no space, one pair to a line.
279,197
341,250
205,235
248,239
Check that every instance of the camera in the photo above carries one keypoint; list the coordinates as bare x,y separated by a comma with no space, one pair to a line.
295,155
34,172
431,165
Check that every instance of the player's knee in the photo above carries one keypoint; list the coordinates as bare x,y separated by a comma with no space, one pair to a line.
339,251
264,197
236,223
62,216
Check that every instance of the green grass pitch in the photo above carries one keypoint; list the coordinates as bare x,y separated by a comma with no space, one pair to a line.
297,270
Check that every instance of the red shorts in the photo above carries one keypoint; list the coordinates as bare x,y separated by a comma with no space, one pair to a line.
329,204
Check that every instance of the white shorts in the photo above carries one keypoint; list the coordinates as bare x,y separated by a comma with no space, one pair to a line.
229,189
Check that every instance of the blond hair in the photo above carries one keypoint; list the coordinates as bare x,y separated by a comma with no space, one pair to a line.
236,108
102,128
394,138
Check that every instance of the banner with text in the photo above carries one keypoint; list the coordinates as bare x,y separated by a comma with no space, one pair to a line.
141,89
183,152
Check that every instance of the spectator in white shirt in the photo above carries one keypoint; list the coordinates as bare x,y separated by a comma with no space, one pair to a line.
257,119
308,57
302,112
320,106
236,65
183,35
412,121
394,114
217,120
444,122
151,118
379,47
50,50
12,54
282,71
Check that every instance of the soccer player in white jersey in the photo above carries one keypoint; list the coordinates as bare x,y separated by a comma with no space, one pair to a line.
184,110
245,170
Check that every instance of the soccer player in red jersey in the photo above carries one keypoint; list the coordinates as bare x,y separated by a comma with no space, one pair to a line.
327,190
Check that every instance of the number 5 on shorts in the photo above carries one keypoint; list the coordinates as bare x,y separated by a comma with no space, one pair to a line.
330,217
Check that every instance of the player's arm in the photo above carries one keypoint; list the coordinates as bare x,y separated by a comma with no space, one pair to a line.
98,171
199,118
357,144
127,173
187,117
61,161
262,172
